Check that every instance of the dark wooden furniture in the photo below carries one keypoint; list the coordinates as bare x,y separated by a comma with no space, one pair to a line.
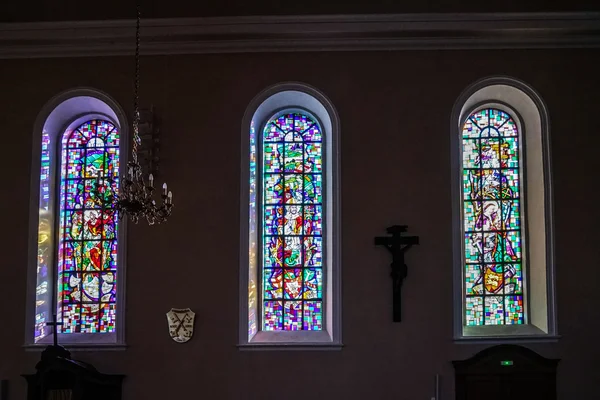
506,372
3,389
58,377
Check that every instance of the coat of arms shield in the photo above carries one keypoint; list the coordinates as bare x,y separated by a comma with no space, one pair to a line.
181,324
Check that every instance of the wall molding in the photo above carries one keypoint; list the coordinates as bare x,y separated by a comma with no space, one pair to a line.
302,33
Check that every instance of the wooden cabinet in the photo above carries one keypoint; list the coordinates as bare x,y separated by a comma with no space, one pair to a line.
58,377
506,372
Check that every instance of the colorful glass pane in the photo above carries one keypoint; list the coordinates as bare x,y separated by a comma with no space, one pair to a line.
292,219
88,229
492,175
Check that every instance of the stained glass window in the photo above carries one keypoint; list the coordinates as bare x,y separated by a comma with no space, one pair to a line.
292,228
492,215
87,230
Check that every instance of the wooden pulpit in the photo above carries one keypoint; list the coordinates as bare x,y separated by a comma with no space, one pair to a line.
58,377
506,372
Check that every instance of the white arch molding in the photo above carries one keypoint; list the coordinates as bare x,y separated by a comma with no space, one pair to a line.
290,96
66,111
528,110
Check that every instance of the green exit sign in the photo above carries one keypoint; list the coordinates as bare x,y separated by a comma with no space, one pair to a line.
506,363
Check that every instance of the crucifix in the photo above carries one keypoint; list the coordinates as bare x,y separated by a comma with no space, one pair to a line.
397,245
55,324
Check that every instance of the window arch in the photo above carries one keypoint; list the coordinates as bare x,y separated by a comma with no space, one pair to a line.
290,270
78,269
504,256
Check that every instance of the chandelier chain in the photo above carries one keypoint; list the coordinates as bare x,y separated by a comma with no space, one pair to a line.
136,112
135,196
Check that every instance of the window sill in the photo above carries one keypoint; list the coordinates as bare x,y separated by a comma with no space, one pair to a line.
506,339
290,346
296,340
505,334
79,347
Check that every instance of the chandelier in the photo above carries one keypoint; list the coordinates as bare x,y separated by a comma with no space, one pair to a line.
135,198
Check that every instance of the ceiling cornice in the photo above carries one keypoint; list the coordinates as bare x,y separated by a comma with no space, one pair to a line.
301,33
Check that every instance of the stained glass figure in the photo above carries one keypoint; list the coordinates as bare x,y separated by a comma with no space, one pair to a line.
88,227
492,215
292,215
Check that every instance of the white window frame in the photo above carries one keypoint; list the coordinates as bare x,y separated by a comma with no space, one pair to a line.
530,113
291,96
63,112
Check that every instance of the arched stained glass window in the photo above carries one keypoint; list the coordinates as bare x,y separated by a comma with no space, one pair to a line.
290,280
76,265
492,165
86,170
87,247
292,215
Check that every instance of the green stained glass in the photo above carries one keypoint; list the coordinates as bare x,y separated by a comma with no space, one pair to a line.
510,183
510,153
312,157
474,311
514,280
492,192
294,157
273,187
273,156
473,283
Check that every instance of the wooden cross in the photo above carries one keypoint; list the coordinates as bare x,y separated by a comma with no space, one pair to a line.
397,245
54,323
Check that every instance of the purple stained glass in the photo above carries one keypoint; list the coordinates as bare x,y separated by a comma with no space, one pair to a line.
313,316
274,220
292,220
88,228
292,316
492,192
273,315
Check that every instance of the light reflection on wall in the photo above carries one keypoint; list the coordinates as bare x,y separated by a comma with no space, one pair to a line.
45,245
252,270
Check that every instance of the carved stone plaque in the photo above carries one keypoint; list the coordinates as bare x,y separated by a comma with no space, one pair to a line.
181,324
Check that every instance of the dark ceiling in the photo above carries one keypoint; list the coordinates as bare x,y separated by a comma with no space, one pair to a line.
72,10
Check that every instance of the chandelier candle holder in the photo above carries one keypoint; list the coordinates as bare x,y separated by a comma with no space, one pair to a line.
135,197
